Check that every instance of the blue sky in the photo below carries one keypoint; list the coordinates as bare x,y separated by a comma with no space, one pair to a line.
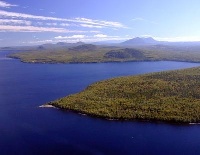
47,21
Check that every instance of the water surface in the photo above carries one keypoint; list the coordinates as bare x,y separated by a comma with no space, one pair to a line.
27,129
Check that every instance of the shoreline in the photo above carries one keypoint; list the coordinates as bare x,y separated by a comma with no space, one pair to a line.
155,112
179,123
93,62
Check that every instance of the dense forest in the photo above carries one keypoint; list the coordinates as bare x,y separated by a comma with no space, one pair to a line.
164,96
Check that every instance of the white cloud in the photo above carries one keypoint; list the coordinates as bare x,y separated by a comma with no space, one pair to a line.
10,28
87,22
21,22
28,28
39,42
102,23
51,24
77,38
94,32
6,5
94,38
15,22
64,24
100,36
71,37
91,26
27,16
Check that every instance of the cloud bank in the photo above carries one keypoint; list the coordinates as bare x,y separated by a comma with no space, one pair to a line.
6,5
28,19
69,29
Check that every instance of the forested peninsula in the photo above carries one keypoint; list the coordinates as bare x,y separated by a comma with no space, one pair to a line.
172,96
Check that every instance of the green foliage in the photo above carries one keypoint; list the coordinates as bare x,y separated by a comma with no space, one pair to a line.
167,96
125,54
90,53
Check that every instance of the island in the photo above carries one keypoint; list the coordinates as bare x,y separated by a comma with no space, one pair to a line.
172,96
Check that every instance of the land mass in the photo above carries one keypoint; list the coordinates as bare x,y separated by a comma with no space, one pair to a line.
166,96
136,49
172,96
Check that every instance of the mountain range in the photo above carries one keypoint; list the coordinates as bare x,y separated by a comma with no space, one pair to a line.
137,41
134,42
140,41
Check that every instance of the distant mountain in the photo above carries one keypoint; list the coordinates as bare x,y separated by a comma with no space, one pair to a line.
59,45
79,43
62,43
41,47
70,44
84,47
140,41
150,41
6,48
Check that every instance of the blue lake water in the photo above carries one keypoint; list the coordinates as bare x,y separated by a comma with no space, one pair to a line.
27,129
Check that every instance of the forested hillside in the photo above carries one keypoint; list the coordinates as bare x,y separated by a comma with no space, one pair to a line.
166,96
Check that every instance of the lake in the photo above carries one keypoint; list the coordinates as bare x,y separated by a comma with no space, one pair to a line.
27,129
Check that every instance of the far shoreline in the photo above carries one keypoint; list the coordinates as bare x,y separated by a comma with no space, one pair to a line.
99,62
